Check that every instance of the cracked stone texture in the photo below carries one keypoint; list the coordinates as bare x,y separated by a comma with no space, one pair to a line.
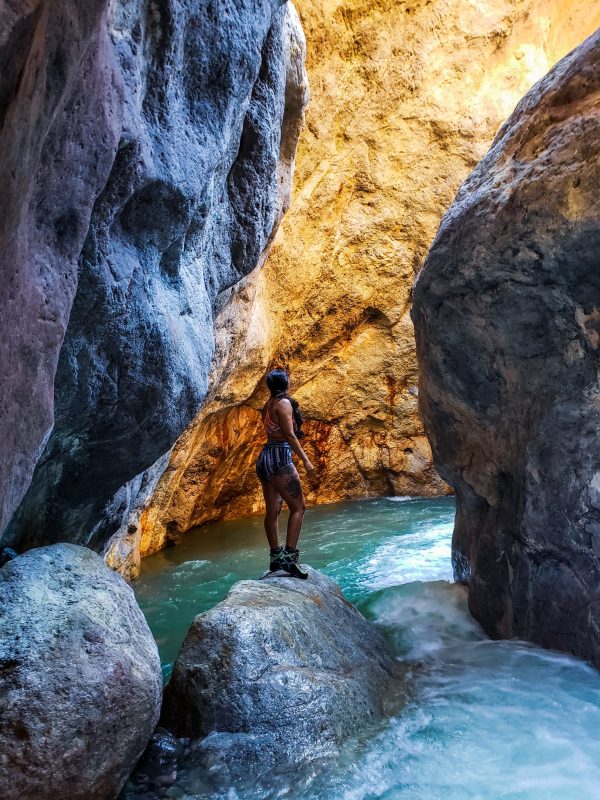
80,679
145,156
274,645
406,97
507,318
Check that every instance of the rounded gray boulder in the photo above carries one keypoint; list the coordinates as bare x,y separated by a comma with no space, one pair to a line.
80,680
281,671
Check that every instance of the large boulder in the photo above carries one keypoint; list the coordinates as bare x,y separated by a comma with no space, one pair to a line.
80,679
507,319
145,158
281,671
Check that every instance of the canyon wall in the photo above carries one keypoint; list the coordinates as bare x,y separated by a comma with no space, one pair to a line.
507,320
145,160
405,99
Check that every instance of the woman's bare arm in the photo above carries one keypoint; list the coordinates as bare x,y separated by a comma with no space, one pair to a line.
285,417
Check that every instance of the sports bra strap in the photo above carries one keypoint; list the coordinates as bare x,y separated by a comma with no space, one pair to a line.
270,425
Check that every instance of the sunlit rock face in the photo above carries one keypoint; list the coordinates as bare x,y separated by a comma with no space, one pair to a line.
405,99
508,330
145,156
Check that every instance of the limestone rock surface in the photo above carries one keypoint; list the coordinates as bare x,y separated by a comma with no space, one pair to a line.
80,679
281,671
406,97
507,319
145,157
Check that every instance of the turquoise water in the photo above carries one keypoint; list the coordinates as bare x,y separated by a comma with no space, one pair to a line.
485,720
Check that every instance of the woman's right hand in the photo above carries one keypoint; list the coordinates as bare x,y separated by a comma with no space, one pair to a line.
309,468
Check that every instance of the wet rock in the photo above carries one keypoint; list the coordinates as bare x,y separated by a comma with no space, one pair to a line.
281,672
152,176
508,332
80,679
157,769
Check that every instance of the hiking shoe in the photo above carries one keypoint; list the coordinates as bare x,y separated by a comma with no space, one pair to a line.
289,562
275,562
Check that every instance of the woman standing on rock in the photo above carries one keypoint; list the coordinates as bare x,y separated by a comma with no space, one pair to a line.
278,476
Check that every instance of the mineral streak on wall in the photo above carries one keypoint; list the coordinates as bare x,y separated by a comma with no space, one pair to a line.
406,98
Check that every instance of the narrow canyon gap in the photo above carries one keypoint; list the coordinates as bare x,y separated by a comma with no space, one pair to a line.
405,99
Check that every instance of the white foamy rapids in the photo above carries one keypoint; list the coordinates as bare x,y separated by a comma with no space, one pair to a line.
191,567
424,618
497,730
486,719
420,556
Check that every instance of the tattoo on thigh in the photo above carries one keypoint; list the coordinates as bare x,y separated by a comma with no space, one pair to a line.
293,487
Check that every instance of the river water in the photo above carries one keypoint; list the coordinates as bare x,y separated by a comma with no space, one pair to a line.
484,720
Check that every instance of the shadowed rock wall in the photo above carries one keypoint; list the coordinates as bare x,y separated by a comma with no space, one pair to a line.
406,98
508,330
146,150
59,130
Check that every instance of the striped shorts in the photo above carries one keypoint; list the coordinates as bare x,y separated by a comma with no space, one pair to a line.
274,457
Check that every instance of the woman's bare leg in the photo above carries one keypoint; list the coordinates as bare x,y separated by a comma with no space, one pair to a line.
273,503
287,485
